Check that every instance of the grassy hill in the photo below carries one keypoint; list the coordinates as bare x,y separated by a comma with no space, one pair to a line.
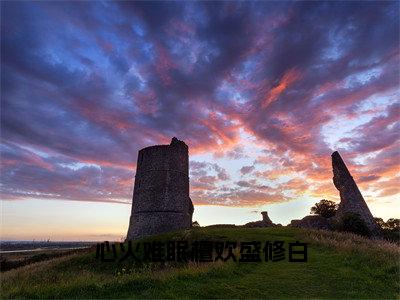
339,266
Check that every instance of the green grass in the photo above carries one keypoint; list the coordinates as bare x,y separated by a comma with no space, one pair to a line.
339,266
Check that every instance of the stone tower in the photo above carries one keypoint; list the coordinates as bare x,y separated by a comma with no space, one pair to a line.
161,201
351,199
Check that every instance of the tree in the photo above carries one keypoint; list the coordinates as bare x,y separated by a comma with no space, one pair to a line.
380,222
390,229
390,224
393,224
195,224
324,208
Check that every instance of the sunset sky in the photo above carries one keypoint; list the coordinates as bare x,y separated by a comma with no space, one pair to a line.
262,93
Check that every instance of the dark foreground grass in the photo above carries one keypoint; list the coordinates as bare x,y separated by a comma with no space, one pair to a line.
339,266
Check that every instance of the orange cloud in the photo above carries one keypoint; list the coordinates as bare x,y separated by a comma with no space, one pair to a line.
288,79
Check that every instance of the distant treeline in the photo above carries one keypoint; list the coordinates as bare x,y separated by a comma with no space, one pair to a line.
26,245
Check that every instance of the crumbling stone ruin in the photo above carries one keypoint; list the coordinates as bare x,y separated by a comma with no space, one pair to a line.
351,199
161,201
316,222
265,222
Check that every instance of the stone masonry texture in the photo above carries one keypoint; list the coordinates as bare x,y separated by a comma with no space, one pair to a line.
351,199
161,201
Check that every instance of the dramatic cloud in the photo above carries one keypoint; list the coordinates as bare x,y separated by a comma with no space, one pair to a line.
262,92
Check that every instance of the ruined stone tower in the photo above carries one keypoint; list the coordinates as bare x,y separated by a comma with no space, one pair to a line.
265,218
161,201
351,199
265,222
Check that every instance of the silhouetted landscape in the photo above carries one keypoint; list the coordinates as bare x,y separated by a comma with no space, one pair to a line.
200,149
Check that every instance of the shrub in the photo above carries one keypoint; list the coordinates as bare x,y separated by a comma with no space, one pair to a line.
352,222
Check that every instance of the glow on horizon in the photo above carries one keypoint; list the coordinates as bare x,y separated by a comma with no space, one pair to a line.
60,220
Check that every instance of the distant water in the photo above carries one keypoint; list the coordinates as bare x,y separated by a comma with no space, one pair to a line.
22,246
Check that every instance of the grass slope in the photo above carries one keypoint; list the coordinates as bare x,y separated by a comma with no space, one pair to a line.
339,266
